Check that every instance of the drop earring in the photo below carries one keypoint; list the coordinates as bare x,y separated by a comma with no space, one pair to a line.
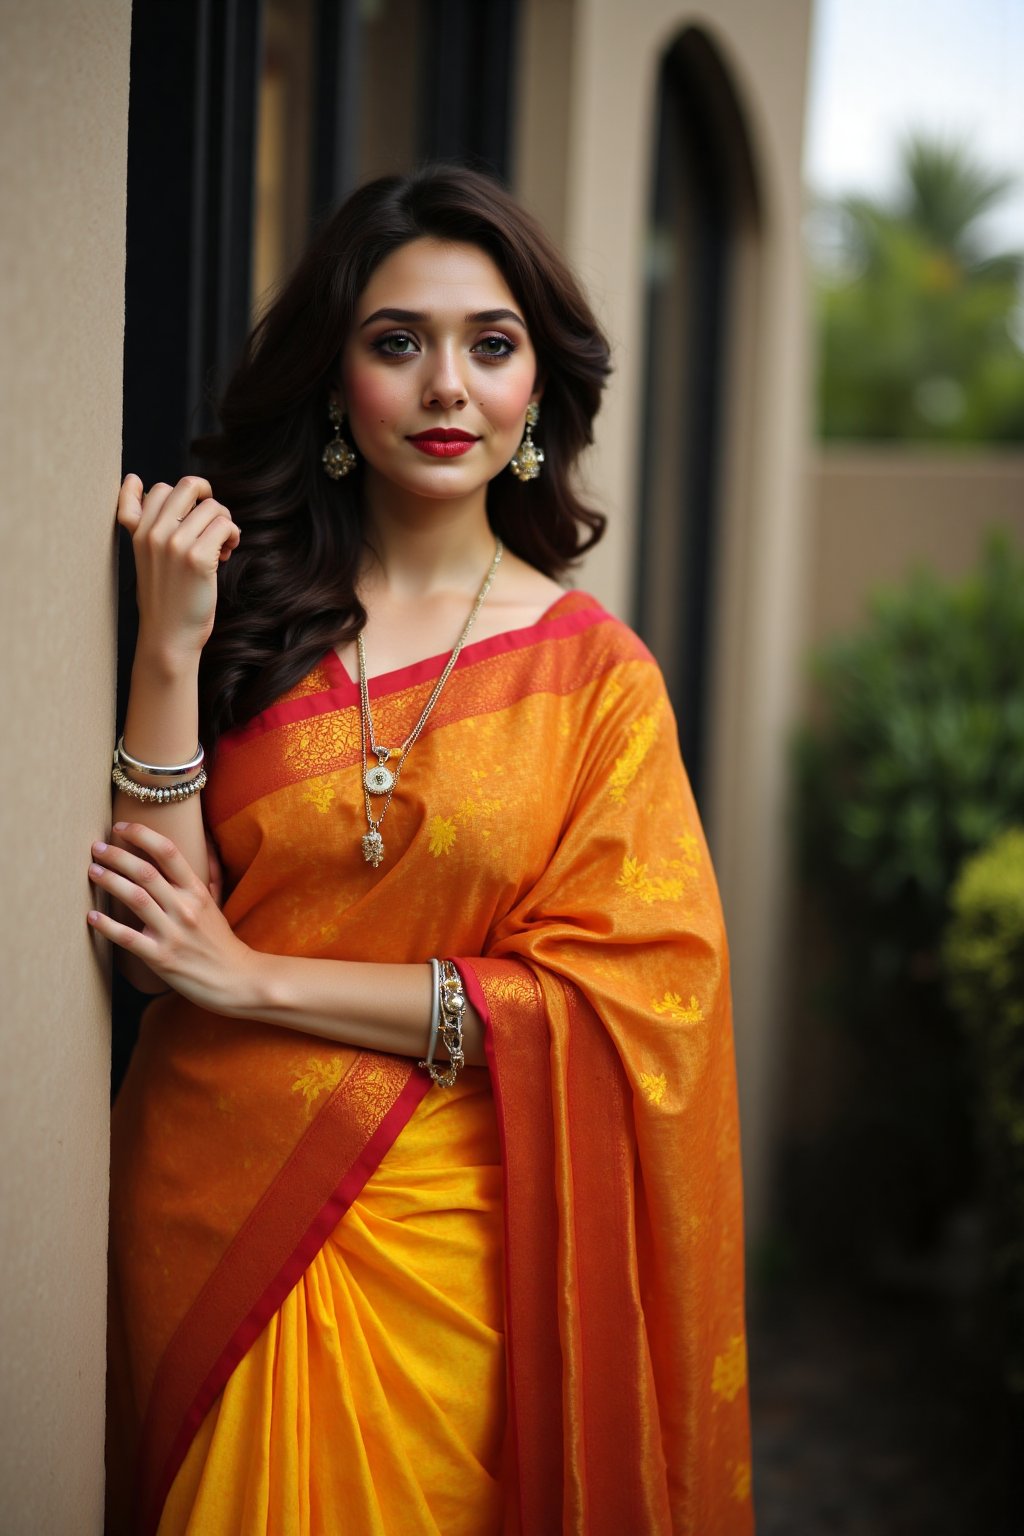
528,458
338,459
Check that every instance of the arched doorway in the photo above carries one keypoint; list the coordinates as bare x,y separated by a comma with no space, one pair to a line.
703,205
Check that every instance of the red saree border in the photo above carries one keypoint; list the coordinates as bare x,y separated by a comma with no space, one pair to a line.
265,1260
546,627
535,1464
346,693
477,997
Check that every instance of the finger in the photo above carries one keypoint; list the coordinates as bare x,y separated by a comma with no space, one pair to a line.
134,897
222,534
192,528
136,869
189,492
164,506
126,938
152,501
129,502
232,542
166,855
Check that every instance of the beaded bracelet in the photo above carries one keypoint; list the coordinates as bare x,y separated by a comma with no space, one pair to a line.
171,794
452,1005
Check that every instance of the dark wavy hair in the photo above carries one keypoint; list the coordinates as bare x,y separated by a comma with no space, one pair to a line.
288,591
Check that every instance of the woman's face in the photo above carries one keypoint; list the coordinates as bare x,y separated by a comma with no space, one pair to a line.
438,370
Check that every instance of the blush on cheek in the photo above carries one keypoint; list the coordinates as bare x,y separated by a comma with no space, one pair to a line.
367,396
505,406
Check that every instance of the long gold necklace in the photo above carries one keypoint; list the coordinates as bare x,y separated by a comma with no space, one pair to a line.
380,779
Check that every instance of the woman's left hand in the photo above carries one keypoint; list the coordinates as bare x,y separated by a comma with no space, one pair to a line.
185,938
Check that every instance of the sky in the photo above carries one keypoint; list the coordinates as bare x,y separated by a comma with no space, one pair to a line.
881,68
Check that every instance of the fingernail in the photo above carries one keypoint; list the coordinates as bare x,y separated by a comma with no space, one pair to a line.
94,917
96,869
120,826
99,847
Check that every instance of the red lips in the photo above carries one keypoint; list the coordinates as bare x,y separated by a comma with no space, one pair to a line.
443,442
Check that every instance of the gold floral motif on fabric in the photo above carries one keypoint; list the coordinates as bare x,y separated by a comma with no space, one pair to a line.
679,1012
318,1077
642,735
441,835
320,795
729,1375
740,1481
634,877
690,851
610,695
654,1085
476,809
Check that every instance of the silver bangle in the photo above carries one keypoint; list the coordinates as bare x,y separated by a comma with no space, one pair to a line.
153,796
435,1013
124,759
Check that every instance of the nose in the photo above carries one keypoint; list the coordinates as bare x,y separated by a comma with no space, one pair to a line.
445,386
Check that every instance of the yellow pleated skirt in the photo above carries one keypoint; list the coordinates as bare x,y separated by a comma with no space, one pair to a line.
374,1401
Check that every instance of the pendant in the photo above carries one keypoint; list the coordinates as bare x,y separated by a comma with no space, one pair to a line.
373,847
379,780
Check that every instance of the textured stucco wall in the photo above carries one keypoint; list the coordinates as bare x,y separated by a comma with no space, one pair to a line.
63,123
877,512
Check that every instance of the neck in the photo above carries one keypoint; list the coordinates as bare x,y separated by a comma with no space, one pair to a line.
418,545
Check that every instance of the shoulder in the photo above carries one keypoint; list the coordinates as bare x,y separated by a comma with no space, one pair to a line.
597,658
608,640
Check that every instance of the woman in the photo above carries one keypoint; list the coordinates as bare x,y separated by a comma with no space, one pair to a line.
425,1191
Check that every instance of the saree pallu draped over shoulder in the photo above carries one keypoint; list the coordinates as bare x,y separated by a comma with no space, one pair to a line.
545,837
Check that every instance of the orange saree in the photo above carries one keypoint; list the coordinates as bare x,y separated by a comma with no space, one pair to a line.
545,838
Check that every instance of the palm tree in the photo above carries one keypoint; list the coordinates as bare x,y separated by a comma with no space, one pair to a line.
917,325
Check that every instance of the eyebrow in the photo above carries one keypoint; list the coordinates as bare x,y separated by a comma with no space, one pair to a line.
417,317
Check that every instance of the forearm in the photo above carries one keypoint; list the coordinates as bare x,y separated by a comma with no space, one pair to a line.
375,1007
162,727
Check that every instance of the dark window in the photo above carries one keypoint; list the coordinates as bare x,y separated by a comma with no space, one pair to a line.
702,190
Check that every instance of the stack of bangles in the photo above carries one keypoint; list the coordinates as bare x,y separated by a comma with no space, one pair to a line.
189,778
448,1004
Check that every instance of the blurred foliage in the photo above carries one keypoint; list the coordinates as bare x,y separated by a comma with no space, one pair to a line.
984,963
920,325
914,761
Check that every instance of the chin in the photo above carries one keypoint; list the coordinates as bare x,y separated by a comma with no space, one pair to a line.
440,481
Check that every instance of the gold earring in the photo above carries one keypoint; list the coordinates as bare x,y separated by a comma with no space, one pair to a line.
528,458
338,459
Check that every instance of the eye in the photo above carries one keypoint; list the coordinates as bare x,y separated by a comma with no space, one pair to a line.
495,347
396,344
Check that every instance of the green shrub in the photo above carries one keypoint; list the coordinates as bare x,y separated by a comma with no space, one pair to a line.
914,760
984,964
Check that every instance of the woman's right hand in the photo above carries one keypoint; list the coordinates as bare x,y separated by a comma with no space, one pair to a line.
180,536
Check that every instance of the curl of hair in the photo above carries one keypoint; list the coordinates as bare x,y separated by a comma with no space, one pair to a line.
288,592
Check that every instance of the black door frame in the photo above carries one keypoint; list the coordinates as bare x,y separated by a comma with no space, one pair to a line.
192,132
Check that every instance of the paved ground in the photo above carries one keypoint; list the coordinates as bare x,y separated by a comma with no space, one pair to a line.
871,1418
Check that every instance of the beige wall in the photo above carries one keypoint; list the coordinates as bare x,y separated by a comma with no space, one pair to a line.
63,120
586,133
878,512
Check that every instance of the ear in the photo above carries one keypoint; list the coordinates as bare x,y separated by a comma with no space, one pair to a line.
538,390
